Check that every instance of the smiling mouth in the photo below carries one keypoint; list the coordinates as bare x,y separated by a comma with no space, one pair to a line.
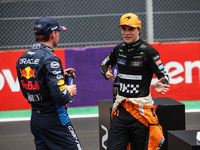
127,38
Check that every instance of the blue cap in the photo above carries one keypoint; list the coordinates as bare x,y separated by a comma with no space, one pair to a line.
47,25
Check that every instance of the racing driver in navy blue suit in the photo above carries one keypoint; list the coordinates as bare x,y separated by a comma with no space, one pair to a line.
41,79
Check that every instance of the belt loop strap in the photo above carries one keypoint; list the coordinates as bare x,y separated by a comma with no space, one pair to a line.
141,109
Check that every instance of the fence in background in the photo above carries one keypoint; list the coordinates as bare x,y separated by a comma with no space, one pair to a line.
94,22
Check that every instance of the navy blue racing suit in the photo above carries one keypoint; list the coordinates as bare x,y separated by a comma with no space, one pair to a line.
41,79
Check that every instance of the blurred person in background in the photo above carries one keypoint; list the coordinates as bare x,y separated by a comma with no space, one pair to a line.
134,123
41,78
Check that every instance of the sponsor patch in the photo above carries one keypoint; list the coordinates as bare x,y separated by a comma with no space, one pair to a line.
121,61
105,60
123,56
158,62
29,61
130,49
142,46
54,28
136,64
160,67
31,53
155,58
61,82
36,45
62,88
59,77
55,64
30,85
130,77
34,97
57,72
137,57
27,72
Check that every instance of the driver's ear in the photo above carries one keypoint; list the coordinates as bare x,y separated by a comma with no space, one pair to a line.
52,35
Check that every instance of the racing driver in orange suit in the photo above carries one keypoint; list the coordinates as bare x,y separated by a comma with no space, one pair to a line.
134,123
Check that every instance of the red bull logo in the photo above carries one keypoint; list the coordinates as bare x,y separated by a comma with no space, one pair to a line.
27,72
30,85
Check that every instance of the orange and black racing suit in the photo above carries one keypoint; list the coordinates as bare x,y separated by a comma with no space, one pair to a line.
134,120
